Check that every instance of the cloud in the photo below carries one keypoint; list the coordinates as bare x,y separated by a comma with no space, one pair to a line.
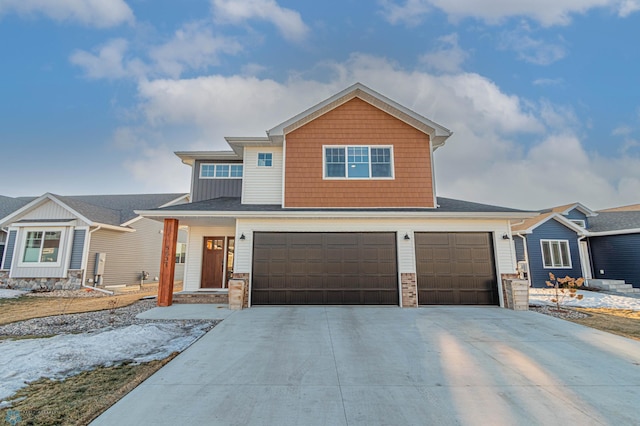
529,49
288,22
448,57
193,47
96,13
546,12
108,61
411,13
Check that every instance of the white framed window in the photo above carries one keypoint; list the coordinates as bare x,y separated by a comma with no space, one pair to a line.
556,254
181,253
41,247
265,159
358,162
220,171
579,222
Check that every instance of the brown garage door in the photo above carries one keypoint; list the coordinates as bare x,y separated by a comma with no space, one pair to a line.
324,268
456,269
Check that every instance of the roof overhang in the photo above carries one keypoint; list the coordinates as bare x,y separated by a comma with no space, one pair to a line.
614,232
438,134
239,143
557,217
190,157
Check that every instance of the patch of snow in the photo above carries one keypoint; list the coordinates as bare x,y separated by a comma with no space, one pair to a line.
11,294
24,361
591,299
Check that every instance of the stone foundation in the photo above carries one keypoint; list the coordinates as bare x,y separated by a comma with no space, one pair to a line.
245,277
72,282
409,290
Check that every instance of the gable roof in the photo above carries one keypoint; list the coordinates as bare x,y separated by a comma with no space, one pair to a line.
615,221
111,210
9,205
437,132
630,207
528,225
565,209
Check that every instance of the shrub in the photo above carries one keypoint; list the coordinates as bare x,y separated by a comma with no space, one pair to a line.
566,287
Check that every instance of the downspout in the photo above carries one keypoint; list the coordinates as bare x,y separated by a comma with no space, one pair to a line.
84,273
526,257
582,261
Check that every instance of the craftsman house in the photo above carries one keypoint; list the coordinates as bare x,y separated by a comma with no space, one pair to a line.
64,242
337,205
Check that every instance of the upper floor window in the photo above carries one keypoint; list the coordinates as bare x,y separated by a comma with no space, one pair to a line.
556,254
265,159
358,162
220,171
579,222
41,247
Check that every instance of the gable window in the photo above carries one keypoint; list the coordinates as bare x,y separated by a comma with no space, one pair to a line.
556,254
220,171
358,162
265,159
41,247
579,222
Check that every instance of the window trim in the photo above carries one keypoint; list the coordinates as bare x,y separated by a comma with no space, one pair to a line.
182,253
23,244
580,222
270,159
346,162
560,242
215,166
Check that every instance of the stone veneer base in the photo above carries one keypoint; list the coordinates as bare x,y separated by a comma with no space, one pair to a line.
73,281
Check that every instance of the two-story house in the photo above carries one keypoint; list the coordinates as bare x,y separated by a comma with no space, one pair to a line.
338,205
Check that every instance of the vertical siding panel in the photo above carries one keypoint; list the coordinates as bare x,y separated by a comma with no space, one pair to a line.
77,249
11,243
206,189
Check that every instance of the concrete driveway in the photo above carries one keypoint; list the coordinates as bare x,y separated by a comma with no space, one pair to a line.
391,366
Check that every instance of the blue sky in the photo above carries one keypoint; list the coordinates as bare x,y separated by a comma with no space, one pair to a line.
543,96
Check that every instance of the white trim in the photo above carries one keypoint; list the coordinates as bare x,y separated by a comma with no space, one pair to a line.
85,253
551,252
185,197
21,246
580,222
495,242
65,266
69,223
34,203
270,153
615,232
557,217
581,207
215,168
284,168
433,173
346,163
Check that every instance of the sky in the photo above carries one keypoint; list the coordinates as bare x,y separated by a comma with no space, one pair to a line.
543,96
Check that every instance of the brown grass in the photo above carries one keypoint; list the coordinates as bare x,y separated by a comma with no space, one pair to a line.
23,308
617,321
79,399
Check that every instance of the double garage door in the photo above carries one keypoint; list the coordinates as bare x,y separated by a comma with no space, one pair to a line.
361,268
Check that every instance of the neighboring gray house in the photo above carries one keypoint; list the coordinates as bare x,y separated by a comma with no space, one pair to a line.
7,206
54,241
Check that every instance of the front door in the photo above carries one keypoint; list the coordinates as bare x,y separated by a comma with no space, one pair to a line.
213,262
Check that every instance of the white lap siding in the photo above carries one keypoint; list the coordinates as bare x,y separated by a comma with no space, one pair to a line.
193,268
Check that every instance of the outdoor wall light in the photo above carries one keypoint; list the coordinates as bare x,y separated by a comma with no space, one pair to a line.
505,237
242,237
406,236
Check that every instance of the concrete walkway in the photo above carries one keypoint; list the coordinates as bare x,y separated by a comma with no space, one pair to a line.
391,366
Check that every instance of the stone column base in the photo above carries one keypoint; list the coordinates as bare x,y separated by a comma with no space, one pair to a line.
409,290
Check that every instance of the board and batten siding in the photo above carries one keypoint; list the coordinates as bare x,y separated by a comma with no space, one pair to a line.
130,253
206,189
618,256
551,230
262,185
503,249
9,249
49,211
193,267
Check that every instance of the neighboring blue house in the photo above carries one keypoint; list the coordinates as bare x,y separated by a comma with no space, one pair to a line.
554,241
8,205
614,240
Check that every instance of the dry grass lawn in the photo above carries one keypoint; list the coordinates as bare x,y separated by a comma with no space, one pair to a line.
78,399
23,308
617,321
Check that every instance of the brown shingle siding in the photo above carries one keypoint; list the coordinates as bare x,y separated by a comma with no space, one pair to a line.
358,123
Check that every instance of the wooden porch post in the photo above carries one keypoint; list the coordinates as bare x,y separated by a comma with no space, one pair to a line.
168,262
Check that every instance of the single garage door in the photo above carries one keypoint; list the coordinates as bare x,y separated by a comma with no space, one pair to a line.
455,268
324,268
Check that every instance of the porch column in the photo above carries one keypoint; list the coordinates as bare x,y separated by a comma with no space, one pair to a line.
168,262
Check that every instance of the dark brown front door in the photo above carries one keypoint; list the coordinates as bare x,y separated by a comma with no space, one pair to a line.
455,268
305,268
212,262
